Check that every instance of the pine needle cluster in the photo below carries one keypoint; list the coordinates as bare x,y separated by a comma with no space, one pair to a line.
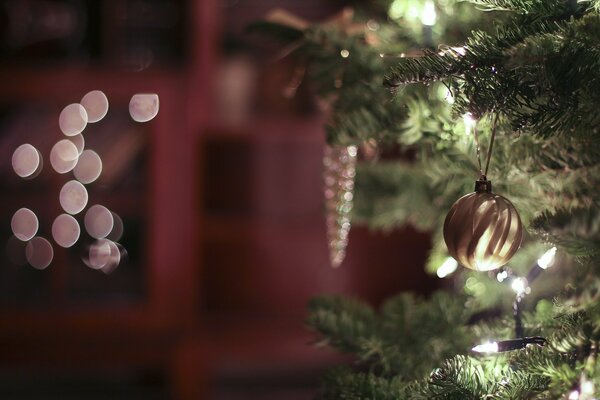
528,71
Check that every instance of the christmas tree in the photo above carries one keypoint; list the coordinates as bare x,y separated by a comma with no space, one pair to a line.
518,81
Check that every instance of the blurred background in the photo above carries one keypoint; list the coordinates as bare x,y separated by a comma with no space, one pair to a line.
219,199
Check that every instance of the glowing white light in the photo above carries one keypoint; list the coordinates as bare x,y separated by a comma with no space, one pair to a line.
490,347
547,259
39,252
587,388
24,224
448,267
98,221
65,230
574,395
502,275
79,142
345,53
95,104
63,156
25,160
428,15
520,286
73,119
89,167
460,50
73,197
469,122
143,107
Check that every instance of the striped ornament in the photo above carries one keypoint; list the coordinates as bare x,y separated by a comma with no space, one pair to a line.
482,231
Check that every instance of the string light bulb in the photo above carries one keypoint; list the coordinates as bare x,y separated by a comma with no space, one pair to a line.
447,267
502,275
509,345
490,347
520,286
428,15
547,259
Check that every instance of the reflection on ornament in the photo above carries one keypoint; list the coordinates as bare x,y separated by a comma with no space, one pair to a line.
339,171
482,230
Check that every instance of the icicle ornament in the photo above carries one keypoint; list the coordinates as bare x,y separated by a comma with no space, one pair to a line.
339,172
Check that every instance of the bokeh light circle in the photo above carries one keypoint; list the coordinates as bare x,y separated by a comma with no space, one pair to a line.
88,167
73,119
39,252
98,221
95,104
24,224
99,254
79,142
73,197
65,230
118,228
143,106
63,156
25,160
114,259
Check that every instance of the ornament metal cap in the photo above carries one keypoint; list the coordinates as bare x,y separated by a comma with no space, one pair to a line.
482,185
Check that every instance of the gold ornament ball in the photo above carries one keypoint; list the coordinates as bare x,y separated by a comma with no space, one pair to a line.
483,230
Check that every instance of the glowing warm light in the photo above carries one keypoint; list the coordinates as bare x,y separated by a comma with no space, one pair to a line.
79,142
99,254
89,167
95,104
39,252
15,250
24,224
490,347
345,53
118,228
98,221
26,160
546,260
448,267
73,197
65,230
520,286
428,16
63,156
143,107
469,122
502,275
73,119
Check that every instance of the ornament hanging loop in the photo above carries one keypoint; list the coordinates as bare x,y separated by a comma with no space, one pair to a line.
482,172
